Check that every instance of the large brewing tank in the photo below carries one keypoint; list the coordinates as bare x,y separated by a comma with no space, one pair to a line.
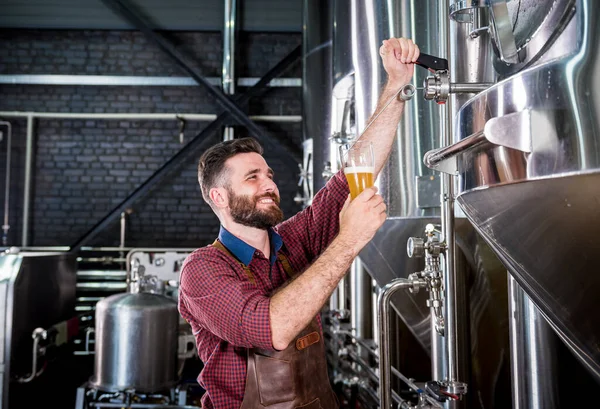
136,343
410,190
527,156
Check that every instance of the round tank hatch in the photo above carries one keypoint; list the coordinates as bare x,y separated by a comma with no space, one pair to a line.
535,25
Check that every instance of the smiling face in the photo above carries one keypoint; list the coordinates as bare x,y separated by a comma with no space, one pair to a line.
253,197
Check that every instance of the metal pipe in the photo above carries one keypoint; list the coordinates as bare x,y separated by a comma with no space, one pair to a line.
228,74
434,158
374,296
131,116
468,87
37,335
27,188
447,219
142,116
453,375
360,301
415,387
123,226
532,353
276,118
383,307
373,376
134,81
455,286
342,306
334,300
402,404
359,341
5,225
438,351
363,364
450,274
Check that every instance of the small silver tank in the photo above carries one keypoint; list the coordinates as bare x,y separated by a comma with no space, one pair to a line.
136,343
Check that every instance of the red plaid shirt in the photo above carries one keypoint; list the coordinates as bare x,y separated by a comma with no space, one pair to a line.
228,314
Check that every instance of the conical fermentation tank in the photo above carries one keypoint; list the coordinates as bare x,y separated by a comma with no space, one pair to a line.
136,343
527,156
410,190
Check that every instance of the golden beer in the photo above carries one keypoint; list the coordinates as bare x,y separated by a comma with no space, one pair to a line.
359,178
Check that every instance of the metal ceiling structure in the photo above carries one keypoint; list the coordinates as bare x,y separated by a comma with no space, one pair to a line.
174,15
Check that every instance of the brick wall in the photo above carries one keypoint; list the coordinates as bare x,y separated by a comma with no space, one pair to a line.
85,167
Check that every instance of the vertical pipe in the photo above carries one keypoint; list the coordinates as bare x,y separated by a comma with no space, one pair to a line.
384,322
470,62
455,325
375,290
123,225
333,300
439,347
5,225
341,296
27,188
228,75
532,353
360,301
450,279
438,352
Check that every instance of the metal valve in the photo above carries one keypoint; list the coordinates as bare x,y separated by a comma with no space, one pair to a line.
438,86
431,249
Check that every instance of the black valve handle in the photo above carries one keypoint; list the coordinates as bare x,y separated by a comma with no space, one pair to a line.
432,63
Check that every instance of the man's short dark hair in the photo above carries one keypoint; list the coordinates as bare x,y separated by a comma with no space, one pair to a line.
211,166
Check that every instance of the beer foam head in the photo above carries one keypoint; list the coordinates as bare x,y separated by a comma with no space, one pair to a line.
359,169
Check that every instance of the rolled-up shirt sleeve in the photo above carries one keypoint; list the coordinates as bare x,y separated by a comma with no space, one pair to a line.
215,295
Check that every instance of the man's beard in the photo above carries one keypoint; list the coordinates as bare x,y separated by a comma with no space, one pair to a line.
244,211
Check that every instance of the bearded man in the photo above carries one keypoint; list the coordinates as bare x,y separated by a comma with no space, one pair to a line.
253,297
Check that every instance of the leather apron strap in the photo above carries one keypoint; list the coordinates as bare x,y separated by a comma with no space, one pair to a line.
218,245
285,263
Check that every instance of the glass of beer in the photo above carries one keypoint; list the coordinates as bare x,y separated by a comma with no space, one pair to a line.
359,166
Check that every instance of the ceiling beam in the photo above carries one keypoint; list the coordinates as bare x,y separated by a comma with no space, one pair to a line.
125,10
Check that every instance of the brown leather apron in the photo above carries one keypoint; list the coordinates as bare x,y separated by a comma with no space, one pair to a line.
295,378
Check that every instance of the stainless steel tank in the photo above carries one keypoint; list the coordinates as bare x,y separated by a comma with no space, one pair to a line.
527,152
410,190
136,343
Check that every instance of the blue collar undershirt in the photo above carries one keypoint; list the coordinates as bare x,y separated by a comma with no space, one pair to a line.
243,251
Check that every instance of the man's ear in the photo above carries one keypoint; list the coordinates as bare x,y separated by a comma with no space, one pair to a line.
219,197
